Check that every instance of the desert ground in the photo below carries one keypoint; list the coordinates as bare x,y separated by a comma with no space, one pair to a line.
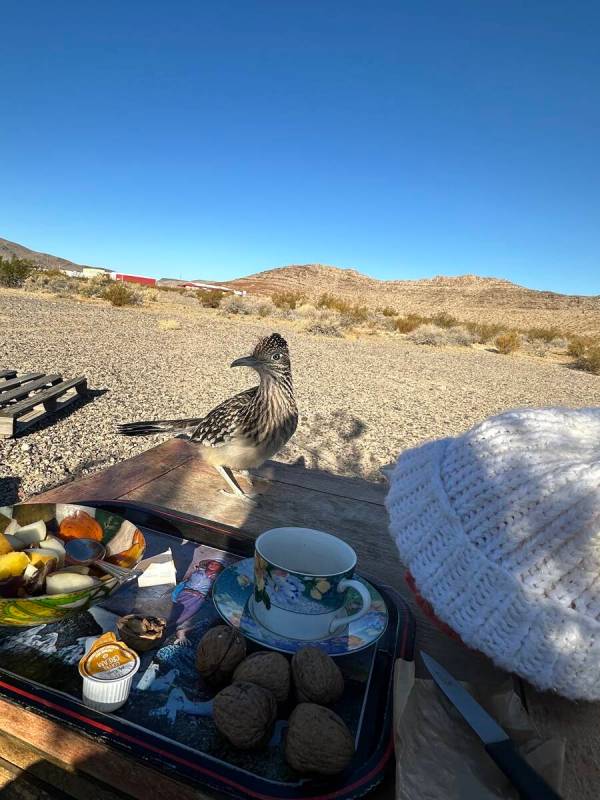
361,400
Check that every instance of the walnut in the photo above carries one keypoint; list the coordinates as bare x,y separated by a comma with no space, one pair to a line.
219,652
244,713
269,670
317,677
141,633
317,741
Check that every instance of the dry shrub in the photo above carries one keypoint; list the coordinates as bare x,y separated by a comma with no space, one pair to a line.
265,307
306,311
408,323
325,324
169,325
248,306
94,287
445,320
118,294
36,281
544,334
259,306
53,281
353,313
508,342
234,304
150,295
323,329
578,345
327,300
380,322
437,337
14,272
174,289
483,331
288,300
209,298
540,348
388,311
590,360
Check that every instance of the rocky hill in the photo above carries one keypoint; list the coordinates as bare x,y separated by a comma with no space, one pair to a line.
10,250
468,297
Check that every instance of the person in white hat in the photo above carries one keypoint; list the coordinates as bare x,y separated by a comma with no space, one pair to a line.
500,529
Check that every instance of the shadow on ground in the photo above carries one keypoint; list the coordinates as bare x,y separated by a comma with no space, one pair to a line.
9,490
52,419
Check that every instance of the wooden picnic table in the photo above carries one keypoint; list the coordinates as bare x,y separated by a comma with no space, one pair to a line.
46,754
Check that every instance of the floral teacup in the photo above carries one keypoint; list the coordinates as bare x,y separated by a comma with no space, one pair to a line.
301,577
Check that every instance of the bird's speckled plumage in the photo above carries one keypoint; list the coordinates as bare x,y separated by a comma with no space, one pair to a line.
249,427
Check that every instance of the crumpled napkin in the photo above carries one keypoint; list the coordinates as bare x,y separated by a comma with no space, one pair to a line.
159,570
438,756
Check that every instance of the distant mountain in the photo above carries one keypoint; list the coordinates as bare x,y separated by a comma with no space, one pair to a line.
467,297
12,250
313,279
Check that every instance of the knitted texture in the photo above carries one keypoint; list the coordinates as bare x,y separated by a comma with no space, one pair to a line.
500,528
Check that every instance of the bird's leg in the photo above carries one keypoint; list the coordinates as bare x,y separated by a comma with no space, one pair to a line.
229,479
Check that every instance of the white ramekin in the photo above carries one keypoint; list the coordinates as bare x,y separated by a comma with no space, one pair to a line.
108,695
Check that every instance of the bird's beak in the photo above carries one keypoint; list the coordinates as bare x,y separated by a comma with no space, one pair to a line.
246,361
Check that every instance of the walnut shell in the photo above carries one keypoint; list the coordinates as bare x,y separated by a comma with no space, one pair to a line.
269,670
244,713
317,677
317,741
141,633
219,652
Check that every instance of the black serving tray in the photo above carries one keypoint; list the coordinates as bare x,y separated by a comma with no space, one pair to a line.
38,670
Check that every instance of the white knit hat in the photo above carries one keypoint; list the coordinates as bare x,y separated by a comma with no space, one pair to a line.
500,528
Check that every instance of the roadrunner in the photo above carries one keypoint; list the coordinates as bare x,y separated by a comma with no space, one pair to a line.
251,426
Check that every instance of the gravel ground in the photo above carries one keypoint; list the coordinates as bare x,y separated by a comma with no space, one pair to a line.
361,401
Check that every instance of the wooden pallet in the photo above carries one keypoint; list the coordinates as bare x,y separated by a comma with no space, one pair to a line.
29,398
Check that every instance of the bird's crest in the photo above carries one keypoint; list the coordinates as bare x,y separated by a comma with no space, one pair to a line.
270,344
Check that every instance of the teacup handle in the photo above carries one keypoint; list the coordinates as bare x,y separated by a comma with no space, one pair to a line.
365,596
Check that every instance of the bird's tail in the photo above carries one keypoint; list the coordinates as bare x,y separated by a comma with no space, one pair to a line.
158,426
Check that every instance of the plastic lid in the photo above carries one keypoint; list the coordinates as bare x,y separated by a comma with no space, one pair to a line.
108,660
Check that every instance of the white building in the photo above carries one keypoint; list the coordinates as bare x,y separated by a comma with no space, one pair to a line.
92,272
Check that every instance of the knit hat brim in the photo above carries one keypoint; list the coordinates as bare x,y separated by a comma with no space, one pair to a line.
464,587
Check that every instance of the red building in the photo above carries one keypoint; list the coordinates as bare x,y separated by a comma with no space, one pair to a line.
135,279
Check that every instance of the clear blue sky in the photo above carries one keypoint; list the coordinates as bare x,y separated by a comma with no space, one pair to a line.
217,139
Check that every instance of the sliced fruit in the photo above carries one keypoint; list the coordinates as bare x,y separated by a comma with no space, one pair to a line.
18,576
5,545
40,556
33,533
127,547
45,561
52,543
16,544
79,569
80,525
64,582
5,520
31,512
12,527
13,565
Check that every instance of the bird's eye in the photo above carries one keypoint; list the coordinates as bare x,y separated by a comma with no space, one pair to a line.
276,356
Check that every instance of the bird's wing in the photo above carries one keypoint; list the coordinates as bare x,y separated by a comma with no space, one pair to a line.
221,424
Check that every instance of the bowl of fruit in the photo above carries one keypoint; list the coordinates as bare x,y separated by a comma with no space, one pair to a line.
38,583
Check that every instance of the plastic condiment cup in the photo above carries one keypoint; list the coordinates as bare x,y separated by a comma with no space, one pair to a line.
107,671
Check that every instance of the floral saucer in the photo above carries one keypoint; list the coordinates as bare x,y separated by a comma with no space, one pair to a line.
232,594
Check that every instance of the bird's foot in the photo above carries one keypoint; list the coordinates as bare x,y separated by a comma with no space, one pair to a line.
248,498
